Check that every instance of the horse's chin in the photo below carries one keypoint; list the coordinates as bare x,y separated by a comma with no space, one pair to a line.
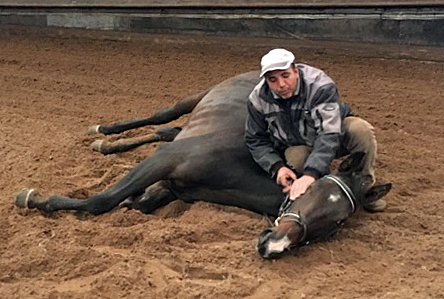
269,247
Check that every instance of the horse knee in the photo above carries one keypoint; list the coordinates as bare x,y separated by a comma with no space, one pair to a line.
155,196
95,205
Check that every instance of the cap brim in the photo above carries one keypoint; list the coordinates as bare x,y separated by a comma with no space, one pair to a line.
275,67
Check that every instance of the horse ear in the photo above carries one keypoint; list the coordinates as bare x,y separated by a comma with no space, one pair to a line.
376,192
352,162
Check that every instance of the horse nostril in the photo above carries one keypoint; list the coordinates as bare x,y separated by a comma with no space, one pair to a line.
262,242
267,231
265,235
270,245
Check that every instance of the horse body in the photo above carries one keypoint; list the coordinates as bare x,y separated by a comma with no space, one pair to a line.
223,110
214,164
207,160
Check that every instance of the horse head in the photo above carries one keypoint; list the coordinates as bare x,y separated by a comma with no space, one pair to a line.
320,211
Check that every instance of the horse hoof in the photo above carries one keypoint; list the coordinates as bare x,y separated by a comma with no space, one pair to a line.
97,145
22,199
93,130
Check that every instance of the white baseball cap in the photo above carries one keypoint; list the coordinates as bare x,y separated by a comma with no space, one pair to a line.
276,59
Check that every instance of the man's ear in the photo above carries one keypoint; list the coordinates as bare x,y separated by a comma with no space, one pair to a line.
376,192
295,68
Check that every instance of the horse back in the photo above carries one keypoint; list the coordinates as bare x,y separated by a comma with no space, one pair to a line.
223,109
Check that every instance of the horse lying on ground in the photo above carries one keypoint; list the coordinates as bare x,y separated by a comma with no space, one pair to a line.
207,160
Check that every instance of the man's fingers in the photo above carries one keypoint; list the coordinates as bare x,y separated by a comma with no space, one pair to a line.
294,191
285,176
297,190
300,186
284,183
296,194
286,189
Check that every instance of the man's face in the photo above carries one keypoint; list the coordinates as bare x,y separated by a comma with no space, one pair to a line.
283,82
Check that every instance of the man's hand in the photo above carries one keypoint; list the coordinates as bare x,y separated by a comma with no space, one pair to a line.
285,177
300,185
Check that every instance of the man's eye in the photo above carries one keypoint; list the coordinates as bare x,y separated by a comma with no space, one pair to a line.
285,75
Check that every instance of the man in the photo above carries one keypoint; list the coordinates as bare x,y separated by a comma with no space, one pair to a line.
297,125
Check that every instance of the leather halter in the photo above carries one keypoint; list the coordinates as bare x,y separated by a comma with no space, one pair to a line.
346,189
296,218
299,219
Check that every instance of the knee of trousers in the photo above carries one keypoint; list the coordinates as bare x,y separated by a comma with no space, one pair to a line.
359,135
297,155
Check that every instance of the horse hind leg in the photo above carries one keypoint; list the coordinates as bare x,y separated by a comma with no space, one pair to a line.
122,145
182,107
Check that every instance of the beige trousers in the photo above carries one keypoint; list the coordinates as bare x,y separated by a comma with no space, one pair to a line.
359,137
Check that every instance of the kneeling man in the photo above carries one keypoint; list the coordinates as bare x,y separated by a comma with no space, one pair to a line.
297,125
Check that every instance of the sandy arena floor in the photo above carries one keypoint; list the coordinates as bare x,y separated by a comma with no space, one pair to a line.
54,84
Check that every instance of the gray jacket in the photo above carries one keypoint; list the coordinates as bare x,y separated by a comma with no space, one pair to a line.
312,117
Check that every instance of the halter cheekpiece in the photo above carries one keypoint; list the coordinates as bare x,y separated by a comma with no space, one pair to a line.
346,189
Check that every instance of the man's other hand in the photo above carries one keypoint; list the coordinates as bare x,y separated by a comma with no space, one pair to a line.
285,177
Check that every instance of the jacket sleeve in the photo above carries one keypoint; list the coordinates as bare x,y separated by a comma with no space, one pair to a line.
326,113
259,143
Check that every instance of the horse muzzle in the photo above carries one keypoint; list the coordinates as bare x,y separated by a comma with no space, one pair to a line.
270,246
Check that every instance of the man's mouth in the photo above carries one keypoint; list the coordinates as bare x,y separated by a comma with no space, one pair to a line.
284,93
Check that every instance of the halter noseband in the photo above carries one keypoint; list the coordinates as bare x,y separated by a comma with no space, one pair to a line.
296,217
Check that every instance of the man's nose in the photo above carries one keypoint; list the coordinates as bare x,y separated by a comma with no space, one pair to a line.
281,82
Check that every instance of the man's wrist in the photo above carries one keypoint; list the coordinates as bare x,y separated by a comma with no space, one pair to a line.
275,168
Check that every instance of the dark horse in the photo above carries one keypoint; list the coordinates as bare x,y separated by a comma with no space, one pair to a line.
207,160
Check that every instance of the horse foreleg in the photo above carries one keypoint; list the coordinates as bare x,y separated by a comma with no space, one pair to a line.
184,106
30,199
155,196
122,145
146,173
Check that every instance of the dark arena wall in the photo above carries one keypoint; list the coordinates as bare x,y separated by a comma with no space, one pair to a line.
402,22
